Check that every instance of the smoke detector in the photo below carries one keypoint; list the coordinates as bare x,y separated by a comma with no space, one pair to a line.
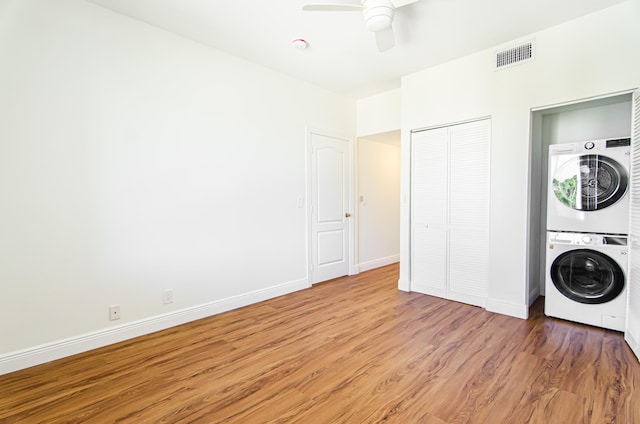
299,44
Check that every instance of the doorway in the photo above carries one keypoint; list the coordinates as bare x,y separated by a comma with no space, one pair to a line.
378,200
603,117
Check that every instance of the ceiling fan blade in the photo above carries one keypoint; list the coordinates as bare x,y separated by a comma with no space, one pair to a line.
333,6
400,3
385,39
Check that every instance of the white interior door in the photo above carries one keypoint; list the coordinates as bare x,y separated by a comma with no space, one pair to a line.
632,333
329,207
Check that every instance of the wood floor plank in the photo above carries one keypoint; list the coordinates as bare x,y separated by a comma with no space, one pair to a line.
351,350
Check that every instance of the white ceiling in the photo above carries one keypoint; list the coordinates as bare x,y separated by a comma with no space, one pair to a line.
342,55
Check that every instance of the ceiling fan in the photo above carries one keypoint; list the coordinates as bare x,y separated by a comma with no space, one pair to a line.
378,15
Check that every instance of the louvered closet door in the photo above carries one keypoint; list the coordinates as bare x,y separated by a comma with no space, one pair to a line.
450,212
429,182
469,212
632,333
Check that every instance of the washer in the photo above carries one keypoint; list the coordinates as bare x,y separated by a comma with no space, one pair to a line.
588,186
586,278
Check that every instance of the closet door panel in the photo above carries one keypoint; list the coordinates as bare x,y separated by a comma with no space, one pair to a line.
429,212
468,265
429,177
429,261
469,174
469,212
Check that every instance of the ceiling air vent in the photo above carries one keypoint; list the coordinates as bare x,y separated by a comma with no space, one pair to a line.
517,55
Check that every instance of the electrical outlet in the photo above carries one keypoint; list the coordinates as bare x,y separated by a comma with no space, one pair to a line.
114,312
167,296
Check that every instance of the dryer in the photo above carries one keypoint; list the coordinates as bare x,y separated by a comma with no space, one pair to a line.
586,278
588,186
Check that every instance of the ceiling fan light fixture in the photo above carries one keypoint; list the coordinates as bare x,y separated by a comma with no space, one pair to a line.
378,18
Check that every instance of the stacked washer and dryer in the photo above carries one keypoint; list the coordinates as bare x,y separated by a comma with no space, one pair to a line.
587,232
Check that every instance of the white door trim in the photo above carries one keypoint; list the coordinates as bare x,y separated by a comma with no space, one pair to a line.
310,130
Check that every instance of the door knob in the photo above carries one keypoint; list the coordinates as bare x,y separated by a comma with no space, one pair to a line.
347,215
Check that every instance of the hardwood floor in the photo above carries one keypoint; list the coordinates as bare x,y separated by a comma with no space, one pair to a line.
352,350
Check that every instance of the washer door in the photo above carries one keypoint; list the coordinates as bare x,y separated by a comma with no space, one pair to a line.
587,276
590,182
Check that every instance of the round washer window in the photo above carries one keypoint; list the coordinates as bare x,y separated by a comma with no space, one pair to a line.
590,182
587,276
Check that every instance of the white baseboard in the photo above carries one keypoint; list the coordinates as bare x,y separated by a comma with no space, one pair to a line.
37,355
404,285
633,343
377,263
533,296
507,308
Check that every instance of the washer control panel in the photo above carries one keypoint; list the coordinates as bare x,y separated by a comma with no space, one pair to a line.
582,239
587,240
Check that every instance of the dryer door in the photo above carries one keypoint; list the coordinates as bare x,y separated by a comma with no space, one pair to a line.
590,182
587,276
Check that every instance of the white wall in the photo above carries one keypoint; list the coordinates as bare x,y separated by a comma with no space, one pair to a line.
590,56
380,113
378,203
612,120
132,161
